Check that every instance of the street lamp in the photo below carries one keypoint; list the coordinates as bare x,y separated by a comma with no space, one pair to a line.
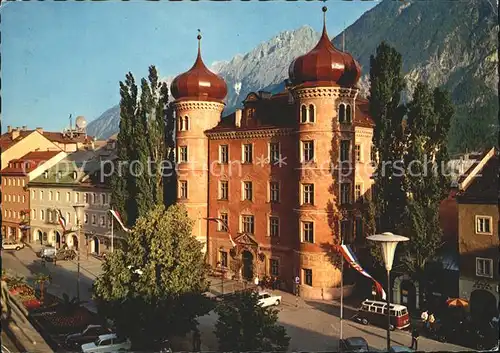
388,242
77,208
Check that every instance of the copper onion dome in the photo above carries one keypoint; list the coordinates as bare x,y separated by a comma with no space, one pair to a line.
325,63
199,82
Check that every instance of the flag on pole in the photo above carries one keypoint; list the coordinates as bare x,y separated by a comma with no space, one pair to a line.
119,220
62,220
351,258
224,224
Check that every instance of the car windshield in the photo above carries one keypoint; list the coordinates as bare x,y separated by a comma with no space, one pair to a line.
97,341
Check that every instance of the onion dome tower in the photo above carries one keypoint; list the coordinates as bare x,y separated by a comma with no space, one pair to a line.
325,64
199,95
322,83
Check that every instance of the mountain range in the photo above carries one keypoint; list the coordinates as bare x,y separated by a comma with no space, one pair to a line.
453,44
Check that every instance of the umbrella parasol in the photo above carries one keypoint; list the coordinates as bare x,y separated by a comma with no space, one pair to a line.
457,302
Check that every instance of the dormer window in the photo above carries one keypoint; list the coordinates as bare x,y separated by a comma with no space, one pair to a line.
46,175
74,175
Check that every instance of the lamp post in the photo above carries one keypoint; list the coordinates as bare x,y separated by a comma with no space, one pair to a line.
77,208
388,242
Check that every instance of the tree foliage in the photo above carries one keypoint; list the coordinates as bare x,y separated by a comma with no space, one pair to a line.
244,326
145,142
152,288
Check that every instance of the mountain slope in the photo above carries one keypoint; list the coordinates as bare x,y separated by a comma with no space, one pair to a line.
448,43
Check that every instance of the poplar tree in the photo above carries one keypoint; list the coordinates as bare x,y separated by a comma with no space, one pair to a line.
387,84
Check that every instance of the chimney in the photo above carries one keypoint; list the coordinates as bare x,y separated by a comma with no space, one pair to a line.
9,129
40,130
25,128
237,117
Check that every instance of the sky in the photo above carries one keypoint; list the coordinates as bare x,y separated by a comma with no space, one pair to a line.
62,58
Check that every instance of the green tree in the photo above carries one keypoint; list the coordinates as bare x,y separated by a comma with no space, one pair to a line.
145,141
244,326
425,184
387,84
123,186
152,288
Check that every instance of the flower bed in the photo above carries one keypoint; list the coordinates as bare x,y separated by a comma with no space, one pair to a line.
57,322
31,304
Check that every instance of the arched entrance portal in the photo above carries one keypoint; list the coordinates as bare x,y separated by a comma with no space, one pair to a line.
408,295
247,258
57,237
39,236
95,245
483,305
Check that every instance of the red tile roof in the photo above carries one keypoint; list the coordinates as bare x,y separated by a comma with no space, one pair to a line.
6,140
28,162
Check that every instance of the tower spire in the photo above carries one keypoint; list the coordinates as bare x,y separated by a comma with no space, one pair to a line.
343,39
199,42
324,9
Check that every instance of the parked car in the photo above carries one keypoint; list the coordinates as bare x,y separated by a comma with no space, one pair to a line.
266,299
108,343
90,334
9,244
354,344
63,254
48,251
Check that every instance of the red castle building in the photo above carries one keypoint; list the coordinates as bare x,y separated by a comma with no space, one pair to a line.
287,173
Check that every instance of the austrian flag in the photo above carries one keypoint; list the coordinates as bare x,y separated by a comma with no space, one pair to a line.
351,258
62,220
119,220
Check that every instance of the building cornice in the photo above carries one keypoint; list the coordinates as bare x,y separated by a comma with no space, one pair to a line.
249,134
321,92
198,105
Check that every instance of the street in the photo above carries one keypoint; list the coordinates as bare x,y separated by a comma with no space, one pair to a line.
312,325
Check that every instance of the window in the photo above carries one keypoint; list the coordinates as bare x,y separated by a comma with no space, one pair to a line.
50,214
23,199
303,114
183,154
308,276
223,190
345,231
345,146
77,197
183,189
484,267
359,228
94,219
274,191
86,218
222,226
103,221
50,195
247,153
68,196
223,258
342,113
68,216
274,226
45,175
348,113
186,123
358,192
74,175
307,232
94,199
42,215
87,198
357,152
311,113
483,225
223,154
58,196
33,213
41,195
345,194
247,192
248,224
307,151
308,194
33,194
103,199
22,183
274,152
274,265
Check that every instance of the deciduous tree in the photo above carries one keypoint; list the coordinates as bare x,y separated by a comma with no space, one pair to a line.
244,326
152,288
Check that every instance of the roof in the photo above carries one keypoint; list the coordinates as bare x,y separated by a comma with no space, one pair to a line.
480,184
6,140
29,162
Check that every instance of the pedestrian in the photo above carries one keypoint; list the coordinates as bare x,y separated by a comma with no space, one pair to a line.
196,340
256,282
424,316
431,321
414,339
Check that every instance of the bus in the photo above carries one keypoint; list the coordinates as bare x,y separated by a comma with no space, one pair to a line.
375,312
